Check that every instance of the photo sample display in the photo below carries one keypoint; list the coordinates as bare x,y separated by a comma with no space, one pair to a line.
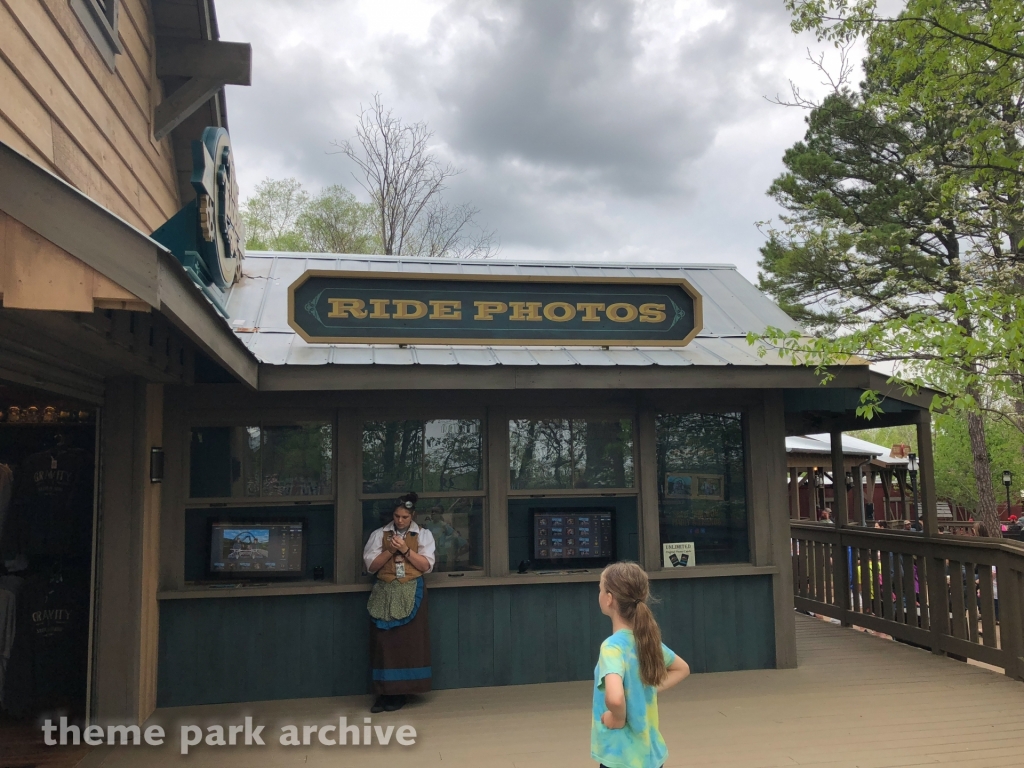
569,535
258,549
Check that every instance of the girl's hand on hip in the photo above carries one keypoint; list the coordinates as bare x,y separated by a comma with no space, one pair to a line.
608,721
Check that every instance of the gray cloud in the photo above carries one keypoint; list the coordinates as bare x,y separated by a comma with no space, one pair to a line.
607,129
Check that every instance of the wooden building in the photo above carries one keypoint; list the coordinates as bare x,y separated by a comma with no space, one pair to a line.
100,101
309,390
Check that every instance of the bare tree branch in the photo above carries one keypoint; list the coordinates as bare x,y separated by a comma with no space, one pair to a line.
404,181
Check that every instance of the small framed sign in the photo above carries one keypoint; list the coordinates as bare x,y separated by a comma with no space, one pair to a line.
679,554
678,485
709,487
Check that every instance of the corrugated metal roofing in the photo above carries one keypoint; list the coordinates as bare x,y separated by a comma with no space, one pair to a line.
258,311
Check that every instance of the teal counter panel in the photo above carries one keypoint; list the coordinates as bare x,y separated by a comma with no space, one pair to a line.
260,648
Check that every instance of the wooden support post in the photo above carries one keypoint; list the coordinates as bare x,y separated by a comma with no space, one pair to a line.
772,416
926,462
886,495
840,554
794,494
858,495
128,554
497,492
647,452
348,513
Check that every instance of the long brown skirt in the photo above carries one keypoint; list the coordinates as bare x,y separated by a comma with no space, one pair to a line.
401,655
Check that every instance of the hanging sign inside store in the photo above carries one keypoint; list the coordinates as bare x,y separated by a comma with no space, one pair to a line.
404,308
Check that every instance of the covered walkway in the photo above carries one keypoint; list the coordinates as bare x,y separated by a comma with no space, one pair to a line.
854,700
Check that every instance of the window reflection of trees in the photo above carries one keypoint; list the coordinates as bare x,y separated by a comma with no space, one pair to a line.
296,460
571,453
702,445
435,455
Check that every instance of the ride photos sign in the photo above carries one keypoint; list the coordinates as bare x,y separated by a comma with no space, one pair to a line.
403,308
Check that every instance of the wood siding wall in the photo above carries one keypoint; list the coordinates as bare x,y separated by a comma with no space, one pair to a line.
258,648
65,110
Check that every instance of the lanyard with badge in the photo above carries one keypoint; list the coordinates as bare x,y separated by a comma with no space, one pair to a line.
399,564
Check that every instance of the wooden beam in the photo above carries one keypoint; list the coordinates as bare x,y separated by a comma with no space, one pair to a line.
278,378
173,110
227,63
60,213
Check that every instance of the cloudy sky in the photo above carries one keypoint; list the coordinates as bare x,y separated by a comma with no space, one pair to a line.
617,130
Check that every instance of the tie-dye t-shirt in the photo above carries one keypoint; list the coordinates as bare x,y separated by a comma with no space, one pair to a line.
639,744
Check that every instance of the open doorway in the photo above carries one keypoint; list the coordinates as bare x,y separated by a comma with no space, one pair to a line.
47,514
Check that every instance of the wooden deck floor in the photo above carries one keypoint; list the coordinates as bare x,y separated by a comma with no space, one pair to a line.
855,700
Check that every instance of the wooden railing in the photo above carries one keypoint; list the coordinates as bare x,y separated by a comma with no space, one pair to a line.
956,595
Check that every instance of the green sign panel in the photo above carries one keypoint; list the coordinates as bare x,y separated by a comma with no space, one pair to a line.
403,308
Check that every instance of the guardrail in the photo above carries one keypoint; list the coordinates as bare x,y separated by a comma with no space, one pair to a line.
956,595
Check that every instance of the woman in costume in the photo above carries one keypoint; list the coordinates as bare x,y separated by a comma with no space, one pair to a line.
398,554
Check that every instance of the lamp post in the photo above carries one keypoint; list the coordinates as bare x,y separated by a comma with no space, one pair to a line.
819,488
1007,481
912,469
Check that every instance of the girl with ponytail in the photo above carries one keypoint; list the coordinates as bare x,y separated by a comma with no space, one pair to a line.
633,667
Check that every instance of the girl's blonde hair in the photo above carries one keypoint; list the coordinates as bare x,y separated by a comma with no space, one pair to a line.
631,589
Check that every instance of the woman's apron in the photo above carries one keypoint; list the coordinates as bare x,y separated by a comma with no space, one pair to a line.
399,627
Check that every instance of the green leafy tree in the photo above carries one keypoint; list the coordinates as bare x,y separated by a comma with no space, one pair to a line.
271,215
335,222
903,237
282,216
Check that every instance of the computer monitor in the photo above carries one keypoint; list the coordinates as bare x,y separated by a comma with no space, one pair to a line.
582,534
257,549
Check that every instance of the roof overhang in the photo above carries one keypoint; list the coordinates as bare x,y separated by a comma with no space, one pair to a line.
131,259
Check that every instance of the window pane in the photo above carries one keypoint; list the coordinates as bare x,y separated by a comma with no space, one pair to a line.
297,460
437,455
392,456
452,455
701,486
224,462
576,453
456,524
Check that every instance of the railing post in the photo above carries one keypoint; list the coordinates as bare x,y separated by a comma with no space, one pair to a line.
938,602
1011,622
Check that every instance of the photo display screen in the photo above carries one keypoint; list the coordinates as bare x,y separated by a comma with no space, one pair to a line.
569,534
260,549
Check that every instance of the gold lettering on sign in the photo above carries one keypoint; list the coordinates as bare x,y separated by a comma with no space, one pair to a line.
380,309
621,313
590,310
559,312
525,310
409,309
345,307
485,310
446,310
652,313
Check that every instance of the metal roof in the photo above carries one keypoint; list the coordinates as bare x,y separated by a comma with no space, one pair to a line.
852,446
258,312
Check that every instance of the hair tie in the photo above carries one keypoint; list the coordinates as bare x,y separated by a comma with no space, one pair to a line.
637,602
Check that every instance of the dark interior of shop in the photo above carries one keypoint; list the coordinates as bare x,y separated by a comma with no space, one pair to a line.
47,480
